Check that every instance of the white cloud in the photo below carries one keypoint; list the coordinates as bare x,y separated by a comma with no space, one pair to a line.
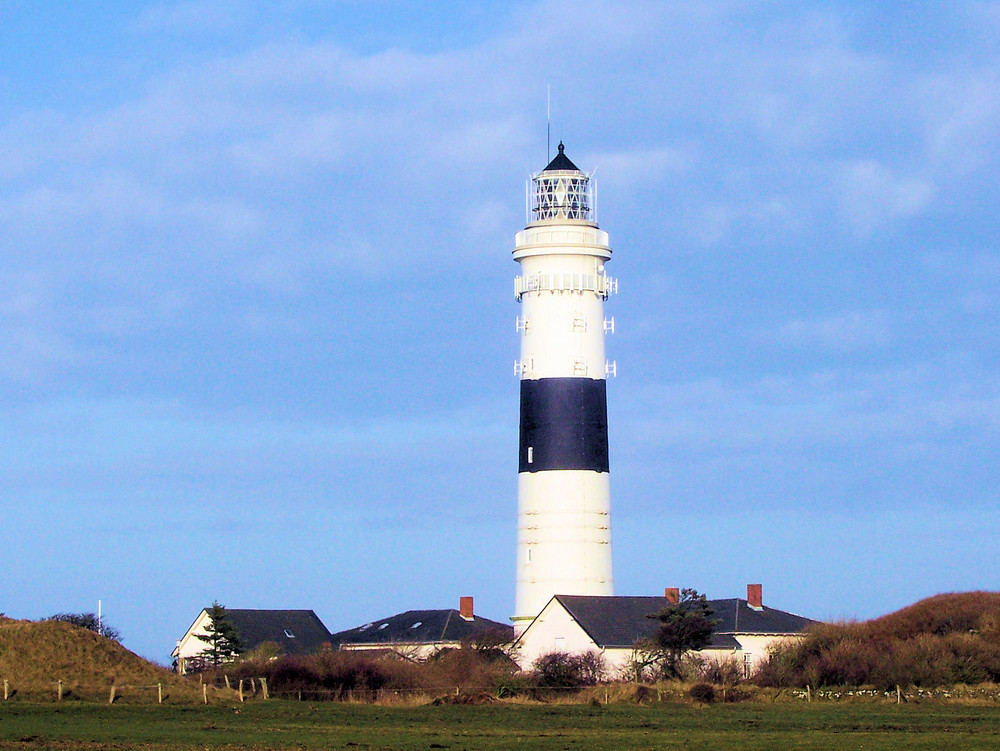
962,113
641,168
872,195
910,416
848,331
192,16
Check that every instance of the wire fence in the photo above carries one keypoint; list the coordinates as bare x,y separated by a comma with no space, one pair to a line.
226,690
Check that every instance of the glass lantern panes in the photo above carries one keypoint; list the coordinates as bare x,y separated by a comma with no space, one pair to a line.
565,195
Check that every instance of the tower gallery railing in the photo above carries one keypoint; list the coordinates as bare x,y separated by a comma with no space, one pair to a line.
601,284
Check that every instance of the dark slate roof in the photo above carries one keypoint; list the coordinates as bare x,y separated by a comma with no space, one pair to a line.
420,627
561,162
622,621
308,634
723,641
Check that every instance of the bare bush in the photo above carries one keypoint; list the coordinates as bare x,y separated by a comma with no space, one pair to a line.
565,670
726,671
943,640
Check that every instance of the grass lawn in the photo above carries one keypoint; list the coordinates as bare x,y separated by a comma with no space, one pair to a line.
301,725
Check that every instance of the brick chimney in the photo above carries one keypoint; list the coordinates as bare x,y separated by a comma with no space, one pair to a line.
673,595
465,608
755,596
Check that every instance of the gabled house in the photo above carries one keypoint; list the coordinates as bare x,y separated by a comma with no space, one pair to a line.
612,626
422,633
294,631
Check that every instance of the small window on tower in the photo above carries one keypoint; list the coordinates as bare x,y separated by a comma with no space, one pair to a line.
529,555
531,454
289,634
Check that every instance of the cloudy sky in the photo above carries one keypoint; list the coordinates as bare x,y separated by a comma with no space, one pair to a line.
257,324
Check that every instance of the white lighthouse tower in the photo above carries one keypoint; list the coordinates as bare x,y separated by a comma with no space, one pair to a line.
564,525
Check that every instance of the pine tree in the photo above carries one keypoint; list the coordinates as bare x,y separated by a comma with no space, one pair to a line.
221,636
684,626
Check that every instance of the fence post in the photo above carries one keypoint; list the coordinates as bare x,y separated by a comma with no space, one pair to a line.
263,687
59,694
253,684
809,693
111,699
228,684
159,693
241,690
204,692
6,689
899,694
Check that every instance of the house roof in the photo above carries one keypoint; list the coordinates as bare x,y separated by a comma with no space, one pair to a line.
622,621
420,627
296,631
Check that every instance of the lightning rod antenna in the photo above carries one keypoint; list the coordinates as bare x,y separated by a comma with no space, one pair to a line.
548,122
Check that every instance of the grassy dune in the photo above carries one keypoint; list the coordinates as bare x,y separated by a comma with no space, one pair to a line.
34,656
946,639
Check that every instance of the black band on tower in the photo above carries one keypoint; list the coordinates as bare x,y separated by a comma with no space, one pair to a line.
564,425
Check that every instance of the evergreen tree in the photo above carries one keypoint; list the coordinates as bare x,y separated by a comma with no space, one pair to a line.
221,636
686,625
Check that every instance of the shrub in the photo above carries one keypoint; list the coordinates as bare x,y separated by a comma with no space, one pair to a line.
724,672
703,693
942,640
90,622
339,675
564,670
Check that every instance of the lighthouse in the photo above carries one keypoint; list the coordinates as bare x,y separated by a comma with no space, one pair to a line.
564,504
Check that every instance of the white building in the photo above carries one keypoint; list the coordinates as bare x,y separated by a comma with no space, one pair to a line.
611,626
292,631
418,634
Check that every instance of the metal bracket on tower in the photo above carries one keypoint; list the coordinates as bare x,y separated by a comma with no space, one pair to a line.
609,325
580,367
579,323
521,324
607,286
611,368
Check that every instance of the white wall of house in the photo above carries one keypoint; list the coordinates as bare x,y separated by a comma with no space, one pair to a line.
756,646
189,645
553,630
409,650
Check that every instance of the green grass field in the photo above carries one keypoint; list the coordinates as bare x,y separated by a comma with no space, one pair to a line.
301,725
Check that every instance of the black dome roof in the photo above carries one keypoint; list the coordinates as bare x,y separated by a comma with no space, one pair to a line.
561,162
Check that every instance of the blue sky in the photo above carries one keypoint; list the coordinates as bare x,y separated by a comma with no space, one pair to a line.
257,324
